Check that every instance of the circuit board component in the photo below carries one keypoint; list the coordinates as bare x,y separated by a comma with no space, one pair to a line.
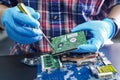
68,42
50,62
105,69
80,59
31,61
100,67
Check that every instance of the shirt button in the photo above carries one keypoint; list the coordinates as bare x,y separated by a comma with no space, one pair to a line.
55,17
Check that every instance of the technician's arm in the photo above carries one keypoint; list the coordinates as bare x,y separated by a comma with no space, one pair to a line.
101,30
115,15
2,9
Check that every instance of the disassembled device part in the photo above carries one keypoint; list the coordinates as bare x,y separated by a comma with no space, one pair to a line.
64,43
80,59
104,70
50,62
31,61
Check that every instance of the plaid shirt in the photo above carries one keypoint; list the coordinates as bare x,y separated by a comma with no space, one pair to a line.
60,16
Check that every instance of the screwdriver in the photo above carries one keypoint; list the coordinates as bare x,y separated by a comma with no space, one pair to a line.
23,9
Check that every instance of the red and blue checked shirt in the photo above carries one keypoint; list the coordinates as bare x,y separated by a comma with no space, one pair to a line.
60,16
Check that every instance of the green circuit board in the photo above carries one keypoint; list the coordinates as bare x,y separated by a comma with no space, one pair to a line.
68,42
50,62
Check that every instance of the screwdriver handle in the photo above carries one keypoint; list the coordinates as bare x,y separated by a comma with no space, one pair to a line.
23,9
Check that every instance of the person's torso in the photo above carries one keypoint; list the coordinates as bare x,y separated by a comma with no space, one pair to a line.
58,17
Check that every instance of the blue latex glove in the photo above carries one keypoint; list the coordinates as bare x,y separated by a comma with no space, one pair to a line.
101,31
20,27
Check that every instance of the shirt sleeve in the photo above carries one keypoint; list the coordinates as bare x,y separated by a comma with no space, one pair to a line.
111,3
9,3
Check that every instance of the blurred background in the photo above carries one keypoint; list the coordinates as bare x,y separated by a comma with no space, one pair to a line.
6,43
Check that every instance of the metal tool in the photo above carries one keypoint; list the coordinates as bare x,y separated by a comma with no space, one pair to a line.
23,9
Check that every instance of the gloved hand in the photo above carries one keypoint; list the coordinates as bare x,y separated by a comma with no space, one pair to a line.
101,31
20,27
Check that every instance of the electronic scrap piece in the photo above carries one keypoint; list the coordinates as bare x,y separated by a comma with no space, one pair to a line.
106,71
81,59
31,61
50,62
103,70
68,42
